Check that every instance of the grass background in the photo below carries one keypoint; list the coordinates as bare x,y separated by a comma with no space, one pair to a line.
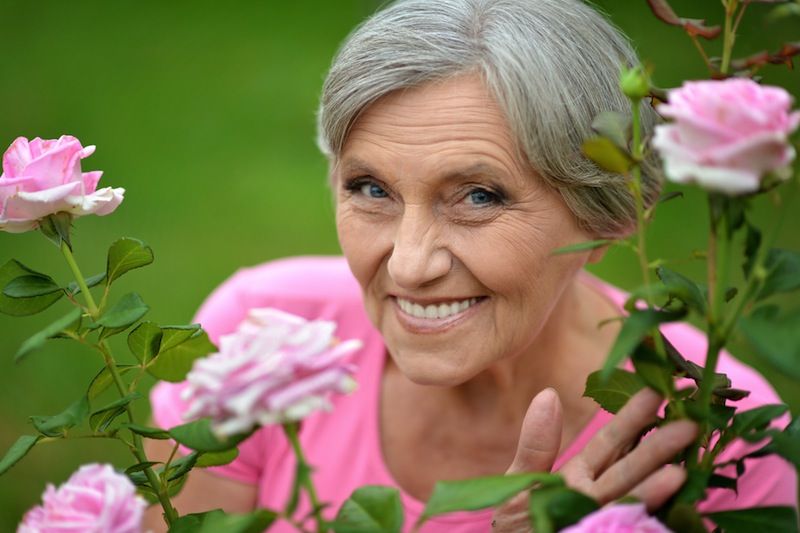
204,112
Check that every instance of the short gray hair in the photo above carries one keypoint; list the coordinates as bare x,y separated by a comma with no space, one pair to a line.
552,65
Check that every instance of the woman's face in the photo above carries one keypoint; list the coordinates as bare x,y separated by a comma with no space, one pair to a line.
449,233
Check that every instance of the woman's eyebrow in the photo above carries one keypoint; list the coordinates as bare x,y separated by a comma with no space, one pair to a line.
354,165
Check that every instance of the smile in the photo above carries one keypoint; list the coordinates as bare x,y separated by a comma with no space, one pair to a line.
435,311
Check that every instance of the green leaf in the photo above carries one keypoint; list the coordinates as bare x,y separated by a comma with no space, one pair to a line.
635,328
103,379
128,310
174,335
606,155
683,288
125,255
102,418
17,451
615,391
147,432
482,492
555,508
173,364
582,246
758,418
254,522
652,369
37,340
92,281
371,508
614,126
12,270
56,227
775,338
783,273
684,517
198,435
761,519
139,467
144,341
181,466
30,287
217,458
57,425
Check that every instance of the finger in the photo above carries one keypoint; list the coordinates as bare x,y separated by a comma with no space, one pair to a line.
619,434
659,487
657,449
540,436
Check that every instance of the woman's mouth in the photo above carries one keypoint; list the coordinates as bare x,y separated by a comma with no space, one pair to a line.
434,316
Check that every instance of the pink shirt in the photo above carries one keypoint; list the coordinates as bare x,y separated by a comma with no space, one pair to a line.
344,445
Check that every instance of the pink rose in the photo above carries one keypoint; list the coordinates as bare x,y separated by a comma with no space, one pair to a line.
95,499
629,518
726,135
275,368
43,177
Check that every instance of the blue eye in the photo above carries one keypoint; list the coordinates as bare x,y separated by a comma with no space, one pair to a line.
483,197
373,190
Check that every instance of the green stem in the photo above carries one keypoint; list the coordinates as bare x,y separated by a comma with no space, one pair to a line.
138,449
79,278
728,37
305,478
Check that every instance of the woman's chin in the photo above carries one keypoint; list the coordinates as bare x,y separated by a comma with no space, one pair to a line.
424,371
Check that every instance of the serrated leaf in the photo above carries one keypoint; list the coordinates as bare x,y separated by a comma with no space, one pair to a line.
614,126
761,519
615,391
125,255
606,155
683,289
92,281
147,432
17,451
654,371
174,335
757,418
482,492
582,246
775,338
103,379
198,435
30,287
555,508
37,340
102,418
173,364
635,328
371,508
127,310
12,270
144,341
57,425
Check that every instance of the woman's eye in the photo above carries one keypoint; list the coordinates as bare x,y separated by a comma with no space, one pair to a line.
373,190
482,197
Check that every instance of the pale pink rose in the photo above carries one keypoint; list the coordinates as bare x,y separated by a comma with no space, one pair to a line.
275,368
43,177
95,499
628,518
726,135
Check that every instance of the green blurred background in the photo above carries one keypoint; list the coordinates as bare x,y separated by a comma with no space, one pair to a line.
204,112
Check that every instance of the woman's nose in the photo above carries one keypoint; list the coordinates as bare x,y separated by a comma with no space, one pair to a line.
418,256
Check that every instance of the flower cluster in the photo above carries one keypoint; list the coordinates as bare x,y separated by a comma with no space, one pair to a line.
43,177
275,368
95,499
726,135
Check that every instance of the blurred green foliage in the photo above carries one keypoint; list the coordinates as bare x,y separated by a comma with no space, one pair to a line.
205,113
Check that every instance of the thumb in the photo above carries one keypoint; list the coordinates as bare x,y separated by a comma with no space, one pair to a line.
540,437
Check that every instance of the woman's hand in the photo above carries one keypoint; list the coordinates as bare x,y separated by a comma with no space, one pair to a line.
610,466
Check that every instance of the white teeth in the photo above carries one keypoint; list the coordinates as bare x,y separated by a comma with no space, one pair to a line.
435,311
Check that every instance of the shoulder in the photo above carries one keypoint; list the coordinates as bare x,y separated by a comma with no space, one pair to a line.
313,287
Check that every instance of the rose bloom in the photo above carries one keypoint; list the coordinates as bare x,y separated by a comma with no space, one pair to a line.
726,135
618,519
276,368
95,499
43,177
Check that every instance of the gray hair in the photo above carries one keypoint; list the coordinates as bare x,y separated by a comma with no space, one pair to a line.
552,65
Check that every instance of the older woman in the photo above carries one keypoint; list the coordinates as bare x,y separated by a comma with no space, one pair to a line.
453,129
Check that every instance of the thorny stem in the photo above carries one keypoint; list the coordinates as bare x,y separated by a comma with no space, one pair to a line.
138,449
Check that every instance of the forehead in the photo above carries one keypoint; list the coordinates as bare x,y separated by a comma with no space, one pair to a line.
434,127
